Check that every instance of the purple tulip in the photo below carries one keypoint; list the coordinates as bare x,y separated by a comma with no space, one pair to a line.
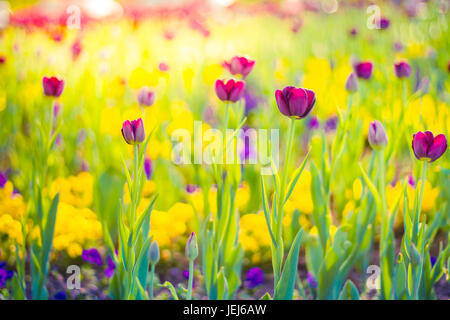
295,102
146,97
53,87
240,66
353,32
428,147
402,69
377,135
364,69
351,85
255,277
133,132
92,256
231,91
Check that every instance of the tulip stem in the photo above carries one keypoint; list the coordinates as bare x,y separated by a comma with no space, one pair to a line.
152,276
419,200
191,279
227,115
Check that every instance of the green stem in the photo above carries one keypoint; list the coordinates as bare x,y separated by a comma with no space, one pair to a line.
191,279
419,201
152,277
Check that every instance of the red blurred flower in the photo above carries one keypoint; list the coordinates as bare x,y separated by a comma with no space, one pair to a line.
239,66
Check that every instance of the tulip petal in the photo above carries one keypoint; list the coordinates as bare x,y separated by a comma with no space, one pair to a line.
437,149
221,90
282,103
236,92
298,102
420,145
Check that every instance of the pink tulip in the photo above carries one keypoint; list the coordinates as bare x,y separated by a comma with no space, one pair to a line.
231,91
240,66
133,132
53,87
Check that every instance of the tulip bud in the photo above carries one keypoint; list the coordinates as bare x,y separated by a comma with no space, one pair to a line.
351,84
295,102
146,97
133,132
402,69
154,253
230,91
427,147
53,87
377,135
191,250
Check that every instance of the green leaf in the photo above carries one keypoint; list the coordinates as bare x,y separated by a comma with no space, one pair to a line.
266,296
286,284
295,178
222,285
171,288
266,211
49,230
349,291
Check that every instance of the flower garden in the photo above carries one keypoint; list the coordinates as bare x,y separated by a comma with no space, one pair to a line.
224,150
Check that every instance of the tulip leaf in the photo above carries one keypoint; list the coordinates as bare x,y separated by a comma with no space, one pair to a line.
286,284
266,211
295,178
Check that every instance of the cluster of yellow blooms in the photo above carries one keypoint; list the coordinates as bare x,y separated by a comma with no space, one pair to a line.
12,207
76,224
241,200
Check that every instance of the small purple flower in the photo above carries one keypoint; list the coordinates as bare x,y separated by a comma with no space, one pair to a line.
412,181
148,167
398,46
255,277
313,123
312,282
92,256
383,23
353,32
186,276
3,179
331,124
60,295
433,261
110,268
251,101
4,274
191,188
